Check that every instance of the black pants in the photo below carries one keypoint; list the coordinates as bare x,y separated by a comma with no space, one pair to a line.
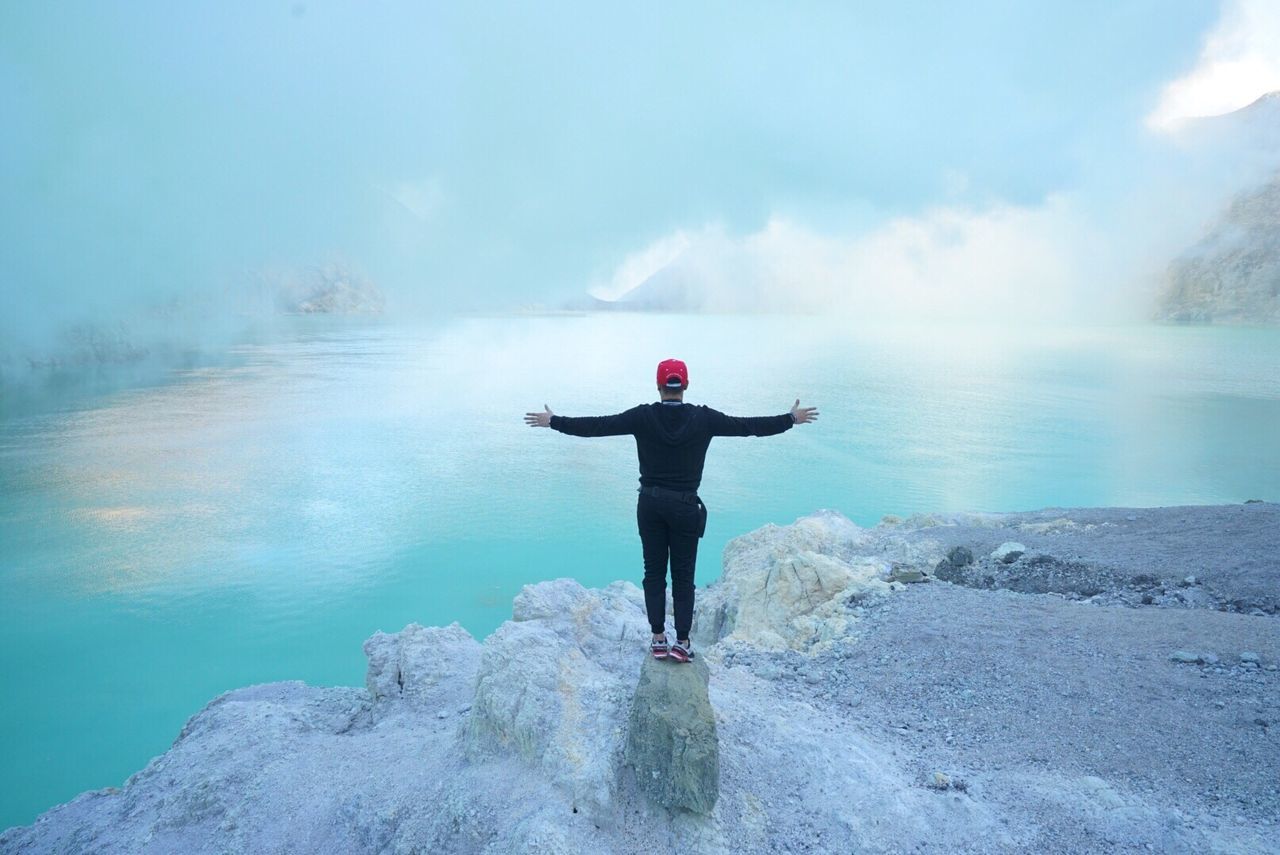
668,529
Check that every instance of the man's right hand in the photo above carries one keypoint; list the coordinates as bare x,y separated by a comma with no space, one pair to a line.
803,415
543,419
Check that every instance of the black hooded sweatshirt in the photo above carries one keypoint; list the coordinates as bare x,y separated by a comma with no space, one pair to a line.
671,439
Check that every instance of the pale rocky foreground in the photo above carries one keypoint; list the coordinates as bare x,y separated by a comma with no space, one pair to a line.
1087,680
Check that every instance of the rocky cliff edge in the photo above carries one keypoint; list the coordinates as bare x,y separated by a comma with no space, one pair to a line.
1086,680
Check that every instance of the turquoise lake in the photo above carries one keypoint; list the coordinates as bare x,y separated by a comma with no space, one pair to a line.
257,519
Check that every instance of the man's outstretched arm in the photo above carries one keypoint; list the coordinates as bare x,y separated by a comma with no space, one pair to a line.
723,425
615,425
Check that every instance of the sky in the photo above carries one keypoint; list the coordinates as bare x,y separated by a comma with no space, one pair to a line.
479,156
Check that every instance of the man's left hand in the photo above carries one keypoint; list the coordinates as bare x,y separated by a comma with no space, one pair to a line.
803,415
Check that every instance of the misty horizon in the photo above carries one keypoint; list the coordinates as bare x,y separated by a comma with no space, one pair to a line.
164,166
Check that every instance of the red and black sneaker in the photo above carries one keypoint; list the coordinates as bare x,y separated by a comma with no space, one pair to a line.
680,651
660,649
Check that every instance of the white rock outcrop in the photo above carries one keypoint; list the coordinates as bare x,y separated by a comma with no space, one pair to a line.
799,587
418,666
554,684
517,744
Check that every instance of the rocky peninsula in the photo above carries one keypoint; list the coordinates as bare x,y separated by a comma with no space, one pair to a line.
1065,680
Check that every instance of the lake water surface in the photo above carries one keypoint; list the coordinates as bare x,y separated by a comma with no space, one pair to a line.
257,520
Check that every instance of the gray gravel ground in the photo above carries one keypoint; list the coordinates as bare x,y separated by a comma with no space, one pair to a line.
1231,551
996,688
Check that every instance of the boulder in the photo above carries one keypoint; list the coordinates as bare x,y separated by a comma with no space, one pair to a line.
960,556
797,587
948,572
795,602
791,588
671,736
1008,552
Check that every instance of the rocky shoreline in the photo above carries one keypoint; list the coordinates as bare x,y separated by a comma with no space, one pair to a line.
1066,680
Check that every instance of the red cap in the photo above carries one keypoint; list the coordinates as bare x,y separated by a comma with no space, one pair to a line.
673,369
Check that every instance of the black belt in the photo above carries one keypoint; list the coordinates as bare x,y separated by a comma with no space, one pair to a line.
664,493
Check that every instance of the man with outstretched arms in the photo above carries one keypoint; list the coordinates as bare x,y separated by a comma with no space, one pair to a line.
671,442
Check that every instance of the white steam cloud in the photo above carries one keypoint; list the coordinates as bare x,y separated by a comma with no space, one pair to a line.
1240,62
1064,259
